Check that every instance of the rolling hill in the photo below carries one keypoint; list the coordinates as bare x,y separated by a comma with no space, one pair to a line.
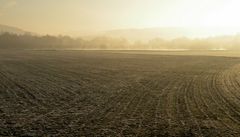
10,29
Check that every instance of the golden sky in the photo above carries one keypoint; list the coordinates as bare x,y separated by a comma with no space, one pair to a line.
62,16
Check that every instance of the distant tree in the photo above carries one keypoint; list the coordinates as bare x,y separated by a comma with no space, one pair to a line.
29,41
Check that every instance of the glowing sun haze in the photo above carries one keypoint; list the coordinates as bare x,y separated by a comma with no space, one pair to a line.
62,16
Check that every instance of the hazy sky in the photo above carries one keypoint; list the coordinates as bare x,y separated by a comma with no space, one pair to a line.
60,16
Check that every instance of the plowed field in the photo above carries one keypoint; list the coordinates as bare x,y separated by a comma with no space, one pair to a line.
101,93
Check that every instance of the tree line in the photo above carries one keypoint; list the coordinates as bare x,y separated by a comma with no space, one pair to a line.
28,41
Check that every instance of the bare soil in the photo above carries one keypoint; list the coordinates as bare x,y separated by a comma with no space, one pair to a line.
103,93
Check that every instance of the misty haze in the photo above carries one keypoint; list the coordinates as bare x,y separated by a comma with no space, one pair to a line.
161,68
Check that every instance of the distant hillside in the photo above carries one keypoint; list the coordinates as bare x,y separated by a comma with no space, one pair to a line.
13,30
170,33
